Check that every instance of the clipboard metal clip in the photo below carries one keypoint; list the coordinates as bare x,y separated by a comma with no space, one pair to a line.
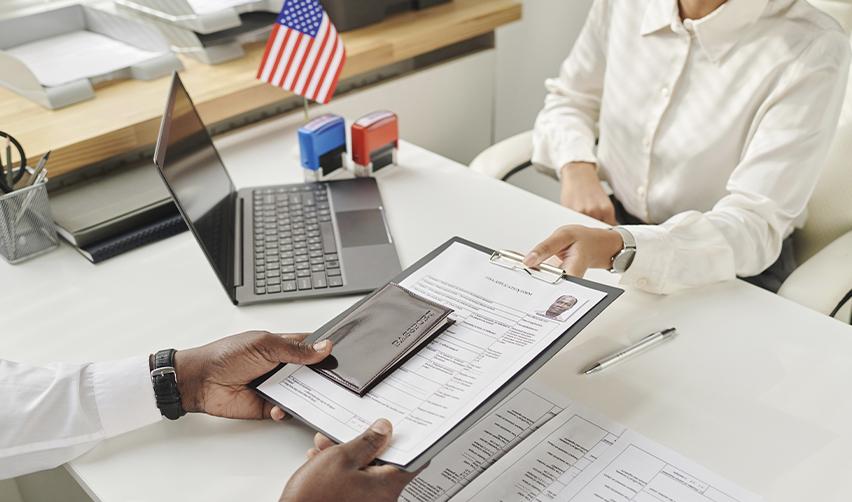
515,261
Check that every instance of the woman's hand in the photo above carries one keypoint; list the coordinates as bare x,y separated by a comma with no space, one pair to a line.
582,192
578,249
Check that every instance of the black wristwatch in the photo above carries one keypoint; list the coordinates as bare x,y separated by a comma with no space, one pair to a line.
164,380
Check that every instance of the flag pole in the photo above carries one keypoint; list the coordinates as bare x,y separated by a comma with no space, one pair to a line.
307,112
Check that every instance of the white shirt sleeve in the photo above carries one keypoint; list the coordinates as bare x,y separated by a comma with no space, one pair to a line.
771,186
566,129
52,414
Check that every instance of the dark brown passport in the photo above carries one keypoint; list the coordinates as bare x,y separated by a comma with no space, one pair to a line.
381,334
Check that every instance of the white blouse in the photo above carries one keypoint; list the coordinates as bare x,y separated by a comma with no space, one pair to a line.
715,130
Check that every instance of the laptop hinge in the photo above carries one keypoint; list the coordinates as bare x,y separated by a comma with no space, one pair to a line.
240,242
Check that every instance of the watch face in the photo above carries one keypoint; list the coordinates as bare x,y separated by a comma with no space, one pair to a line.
623,260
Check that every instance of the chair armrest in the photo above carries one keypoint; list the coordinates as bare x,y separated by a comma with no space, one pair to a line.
821,282
499,160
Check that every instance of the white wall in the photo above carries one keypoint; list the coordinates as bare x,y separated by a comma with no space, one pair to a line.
528,52
447,108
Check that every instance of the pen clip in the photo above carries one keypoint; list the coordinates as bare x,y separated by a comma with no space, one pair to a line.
515,261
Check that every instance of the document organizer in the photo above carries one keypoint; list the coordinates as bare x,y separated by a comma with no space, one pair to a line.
182,14
509,386
91,28
210,36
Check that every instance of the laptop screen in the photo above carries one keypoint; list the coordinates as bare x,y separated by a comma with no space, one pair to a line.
195,175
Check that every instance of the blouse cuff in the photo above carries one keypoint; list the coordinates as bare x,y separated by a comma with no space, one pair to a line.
557,154
654,254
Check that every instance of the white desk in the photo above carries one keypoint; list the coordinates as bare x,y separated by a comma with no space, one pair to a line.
756,388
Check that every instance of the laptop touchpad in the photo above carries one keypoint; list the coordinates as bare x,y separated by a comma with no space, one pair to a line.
362,228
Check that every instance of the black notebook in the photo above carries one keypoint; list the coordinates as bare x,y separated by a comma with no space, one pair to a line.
111,204
133,239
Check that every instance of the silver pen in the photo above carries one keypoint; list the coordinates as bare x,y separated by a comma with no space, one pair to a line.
38,169
638,347
26,205
10,174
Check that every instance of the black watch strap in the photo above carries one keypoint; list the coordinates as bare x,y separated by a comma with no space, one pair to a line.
164,380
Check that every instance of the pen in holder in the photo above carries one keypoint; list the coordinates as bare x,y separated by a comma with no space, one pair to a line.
26,224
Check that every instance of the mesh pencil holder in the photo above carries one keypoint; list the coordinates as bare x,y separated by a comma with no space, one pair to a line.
26,224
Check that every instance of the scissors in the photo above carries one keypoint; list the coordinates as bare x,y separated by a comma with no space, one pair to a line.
15,178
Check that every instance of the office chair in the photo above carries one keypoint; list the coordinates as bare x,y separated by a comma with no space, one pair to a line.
823,281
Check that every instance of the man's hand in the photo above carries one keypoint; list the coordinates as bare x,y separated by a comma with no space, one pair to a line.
578,248
582,192
342,473
214,379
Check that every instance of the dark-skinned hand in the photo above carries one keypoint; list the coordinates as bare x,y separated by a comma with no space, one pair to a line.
214,379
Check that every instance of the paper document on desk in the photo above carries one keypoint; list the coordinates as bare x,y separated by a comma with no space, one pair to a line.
504,320
581,456
77,55
495,435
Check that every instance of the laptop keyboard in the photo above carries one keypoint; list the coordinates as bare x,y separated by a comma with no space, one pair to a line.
294,246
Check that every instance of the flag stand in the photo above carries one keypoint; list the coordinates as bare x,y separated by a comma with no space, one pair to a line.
307,112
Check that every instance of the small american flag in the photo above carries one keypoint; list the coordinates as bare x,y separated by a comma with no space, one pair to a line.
304,54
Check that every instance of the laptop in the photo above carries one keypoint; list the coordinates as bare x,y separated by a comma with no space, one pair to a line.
277,242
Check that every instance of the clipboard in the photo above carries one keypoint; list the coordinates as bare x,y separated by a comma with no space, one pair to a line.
506,259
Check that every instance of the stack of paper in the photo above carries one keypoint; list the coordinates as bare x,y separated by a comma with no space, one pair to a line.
56,56
541,447
77,55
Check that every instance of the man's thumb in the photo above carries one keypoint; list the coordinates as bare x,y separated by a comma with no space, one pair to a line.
292,349
366,447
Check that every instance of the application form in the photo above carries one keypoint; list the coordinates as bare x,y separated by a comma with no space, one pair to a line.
504,320
580,456
637,469
512,421
551,458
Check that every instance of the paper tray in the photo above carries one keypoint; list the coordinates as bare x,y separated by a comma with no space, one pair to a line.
202,17
216,47
54,58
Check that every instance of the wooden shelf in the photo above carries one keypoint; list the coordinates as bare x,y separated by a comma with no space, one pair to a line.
125,116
